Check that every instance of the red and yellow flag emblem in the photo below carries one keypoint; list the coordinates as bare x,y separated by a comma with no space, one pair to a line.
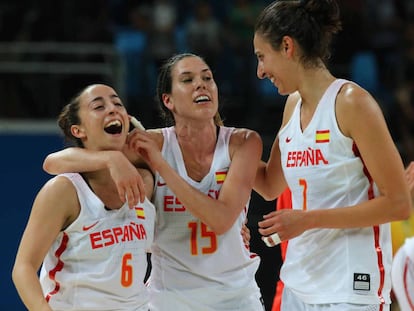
322,136
139,211
221,176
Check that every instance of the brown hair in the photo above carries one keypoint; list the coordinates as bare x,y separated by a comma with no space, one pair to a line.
311,23
70,116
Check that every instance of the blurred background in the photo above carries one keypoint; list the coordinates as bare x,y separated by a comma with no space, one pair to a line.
49,50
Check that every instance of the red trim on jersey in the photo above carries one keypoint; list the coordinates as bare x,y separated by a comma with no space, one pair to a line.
376,230
380,264
58,267
378,248
405,282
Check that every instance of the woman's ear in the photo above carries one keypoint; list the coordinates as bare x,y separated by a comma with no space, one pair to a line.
288,45
167,102
77,131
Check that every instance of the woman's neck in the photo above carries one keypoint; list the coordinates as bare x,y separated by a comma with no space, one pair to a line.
200,139
314,85
197,148
102,184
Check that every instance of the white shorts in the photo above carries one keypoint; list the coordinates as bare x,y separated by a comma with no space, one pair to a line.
402,275
196,300
291,302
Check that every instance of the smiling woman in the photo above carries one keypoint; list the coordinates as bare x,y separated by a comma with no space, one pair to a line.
334,152
204,173
92,231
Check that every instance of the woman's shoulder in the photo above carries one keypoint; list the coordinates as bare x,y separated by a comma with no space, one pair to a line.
351,96
244,137
243,134
59,191
353,105
59,183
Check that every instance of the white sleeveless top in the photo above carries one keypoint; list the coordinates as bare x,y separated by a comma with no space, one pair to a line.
324,170
99,262
188,259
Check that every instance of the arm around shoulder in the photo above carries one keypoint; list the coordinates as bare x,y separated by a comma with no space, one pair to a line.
75,159
128,182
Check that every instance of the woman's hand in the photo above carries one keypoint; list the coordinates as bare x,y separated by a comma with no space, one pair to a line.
286,223
128,181
145,145
245,233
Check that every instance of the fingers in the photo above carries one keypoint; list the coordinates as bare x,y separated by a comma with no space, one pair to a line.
133,194
270,215
245,232
268,228
137,124
268,222
141,190
131,198
126,195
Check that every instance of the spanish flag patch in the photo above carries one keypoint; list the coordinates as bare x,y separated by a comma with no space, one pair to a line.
322,136
140,212
221,176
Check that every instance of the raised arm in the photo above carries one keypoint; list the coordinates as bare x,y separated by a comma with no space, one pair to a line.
218,213
128,181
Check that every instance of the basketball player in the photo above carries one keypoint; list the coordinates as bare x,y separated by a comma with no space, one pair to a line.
93,246
204,174
336,155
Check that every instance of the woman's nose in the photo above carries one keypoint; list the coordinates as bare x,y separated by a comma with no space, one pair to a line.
260,72
112,108
200,83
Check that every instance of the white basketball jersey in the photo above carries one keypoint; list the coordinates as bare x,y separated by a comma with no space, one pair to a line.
403,275
324,170
99,262
192,267
409,248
